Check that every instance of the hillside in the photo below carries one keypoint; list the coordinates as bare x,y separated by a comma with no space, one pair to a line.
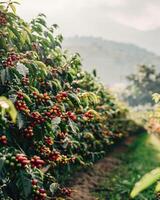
112,60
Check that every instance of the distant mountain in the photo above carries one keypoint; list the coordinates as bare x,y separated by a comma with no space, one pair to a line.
112,60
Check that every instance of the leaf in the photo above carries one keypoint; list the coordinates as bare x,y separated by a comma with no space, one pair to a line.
55,122
53,187
146,181
37,174
156,97
24,184
74,99
2,162
41,65
73,126
9,108
13,7
89,98
27,98
20,121
3,76
157,189
57,85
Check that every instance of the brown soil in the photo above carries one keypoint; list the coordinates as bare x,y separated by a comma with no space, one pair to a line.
84,183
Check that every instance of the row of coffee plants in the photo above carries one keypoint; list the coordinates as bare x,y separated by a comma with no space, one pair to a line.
65,119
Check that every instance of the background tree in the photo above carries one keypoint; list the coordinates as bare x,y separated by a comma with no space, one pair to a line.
142,85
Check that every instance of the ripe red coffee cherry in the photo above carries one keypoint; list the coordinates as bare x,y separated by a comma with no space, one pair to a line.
3,139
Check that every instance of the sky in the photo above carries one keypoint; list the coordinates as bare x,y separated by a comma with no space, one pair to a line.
83,17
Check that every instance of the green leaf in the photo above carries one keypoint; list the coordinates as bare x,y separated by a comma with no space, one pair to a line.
74,99
157,189
57,85
13,8
53,187
9,108
20,121
73,126
24,184
55,122
3,76
2,162
146,181
41,66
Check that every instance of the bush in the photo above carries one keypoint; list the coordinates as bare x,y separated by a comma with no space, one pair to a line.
65,119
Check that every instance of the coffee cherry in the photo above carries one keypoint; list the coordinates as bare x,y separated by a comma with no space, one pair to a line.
88,116
66,192
22,159
25,81
36,161
40,194
71,116
11,60
20,95
38,119
54,156
28,132
21,106
62,135
3,19
3,139
45,151
41,98
34,182
48,140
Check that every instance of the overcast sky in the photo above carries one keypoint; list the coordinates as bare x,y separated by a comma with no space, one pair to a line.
78,17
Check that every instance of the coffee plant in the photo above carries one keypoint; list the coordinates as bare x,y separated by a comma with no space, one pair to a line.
62,119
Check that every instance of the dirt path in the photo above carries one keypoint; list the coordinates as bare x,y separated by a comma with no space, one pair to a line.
84,183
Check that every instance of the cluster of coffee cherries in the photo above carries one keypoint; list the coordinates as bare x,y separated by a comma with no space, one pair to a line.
22,160
62,135
44,150
41,98
3,139
3,19
37,117
66,192
61,96
55,156
54,111
48,140
21,106
54,71
39,193
66,160
28,132
11,60
71,115
20,95
88,116
44,83
37,162
25,81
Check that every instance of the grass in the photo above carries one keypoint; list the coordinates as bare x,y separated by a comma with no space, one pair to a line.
142,156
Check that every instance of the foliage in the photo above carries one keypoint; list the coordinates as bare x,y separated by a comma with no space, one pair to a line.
65,119
142,85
